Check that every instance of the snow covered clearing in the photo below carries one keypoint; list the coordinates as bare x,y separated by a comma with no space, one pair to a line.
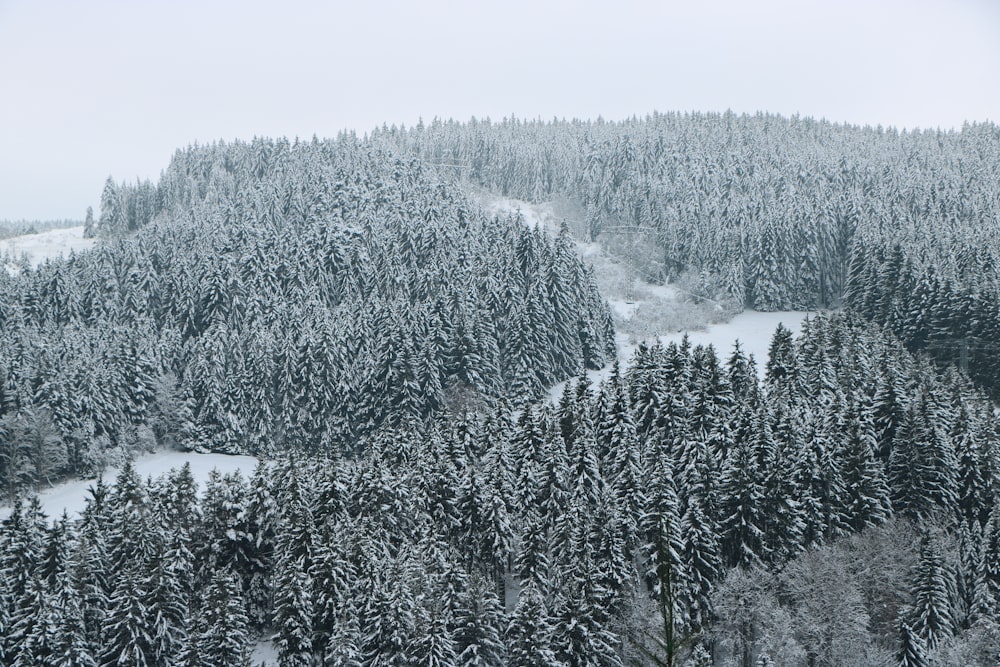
70,495
45,245
533,215
751,328
264,653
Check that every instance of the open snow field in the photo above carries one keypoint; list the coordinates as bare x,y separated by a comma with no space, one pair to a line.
44,245
70,495
751,328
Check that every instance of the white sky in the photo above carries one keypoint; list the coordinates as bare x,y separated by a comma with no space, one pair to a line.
90,88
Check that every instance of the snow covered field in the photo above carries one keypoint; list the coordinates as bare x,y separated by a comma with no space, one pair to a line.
70,496
45,245
753,330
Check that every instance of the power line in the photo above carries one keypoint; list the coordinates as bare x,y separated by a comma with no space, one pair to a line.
963,348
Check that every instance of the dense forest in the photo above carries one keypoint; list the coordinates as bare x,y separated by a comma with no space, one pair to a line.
287,296
343,310
680,509
775,213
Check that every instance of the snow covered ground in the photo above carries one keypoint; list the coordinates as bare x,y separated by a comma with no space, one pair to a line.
753,330
265,654
45,245
532,215
70,496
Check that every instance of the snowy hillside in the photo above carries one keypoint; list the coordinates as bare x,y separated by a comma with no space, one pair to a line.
43,246
752,329
70,496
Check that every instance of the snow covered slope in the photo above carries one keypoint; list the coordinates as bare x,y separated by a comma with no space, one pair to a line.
45,245
70,496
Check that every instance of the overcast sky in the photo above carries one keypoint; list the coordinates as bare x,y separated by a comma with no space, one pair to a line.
96,88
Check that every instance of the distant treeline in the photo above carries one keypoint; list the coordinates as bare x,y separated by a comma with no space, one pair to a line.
11,228
775,213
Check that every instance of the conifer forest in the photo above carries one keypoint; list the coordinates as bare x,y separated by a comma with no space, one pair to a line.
349,312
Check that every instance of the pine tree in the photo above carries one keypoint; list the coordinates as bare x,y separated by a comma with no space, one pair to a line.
531,561
128,640
581,635
529,634
225,639
912,650
434,644
923,469
780,371
865,483
33,626
168,600
740,506
333,579
293,612
259,532
784,526
702,561
988,576
21,597
343,648
933,592
388,617
479,626
70,647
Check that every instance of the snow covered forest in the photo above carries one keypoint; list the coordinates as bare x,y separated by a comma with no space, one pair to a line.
344,311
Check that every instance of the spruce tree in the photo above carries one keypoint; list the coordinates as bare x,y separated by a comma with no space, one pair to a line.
529,633
933,618
225,639
912,649
293,612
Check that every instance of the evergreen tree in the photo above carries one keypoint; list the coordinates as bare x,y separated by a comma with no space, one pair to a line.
293,612
529,634
128,634
865,483
740,505
912,650
933,592
702,559
225,638
70,647
479,627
